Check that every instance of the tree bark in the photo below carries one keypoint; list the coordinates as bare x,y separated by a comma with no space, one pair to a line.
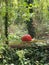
30,26
6,22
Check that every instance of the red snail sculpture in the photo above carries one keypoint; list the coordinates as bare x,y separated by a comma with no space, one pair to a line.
26,38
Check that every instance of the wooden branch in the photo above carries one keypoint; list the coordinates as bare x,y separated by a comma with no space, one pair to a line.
24,46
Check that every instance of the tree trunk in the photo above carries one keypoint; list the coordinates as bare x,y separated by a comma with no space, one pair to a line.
6,22
30,26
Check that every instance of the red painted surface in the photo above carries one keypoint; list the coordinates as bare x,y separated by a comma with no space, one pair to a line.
26,37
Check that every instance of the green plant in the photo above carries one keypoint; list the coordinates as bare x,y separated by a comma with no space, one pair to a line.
34,55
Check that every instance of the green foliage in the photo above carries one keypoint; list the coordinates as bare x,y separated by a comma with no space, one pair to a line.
27,56
16,32
21,10
41,16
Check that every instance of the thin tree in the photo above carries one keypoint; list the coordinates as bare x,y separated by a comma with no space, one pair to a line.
6,22
30,26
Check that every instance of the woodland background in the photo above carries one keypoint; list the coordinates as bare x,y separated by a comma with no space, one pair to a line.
20,17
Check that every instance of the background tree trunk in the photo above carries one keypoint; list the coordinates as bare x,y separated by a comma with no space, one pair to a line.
30,26
6,22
